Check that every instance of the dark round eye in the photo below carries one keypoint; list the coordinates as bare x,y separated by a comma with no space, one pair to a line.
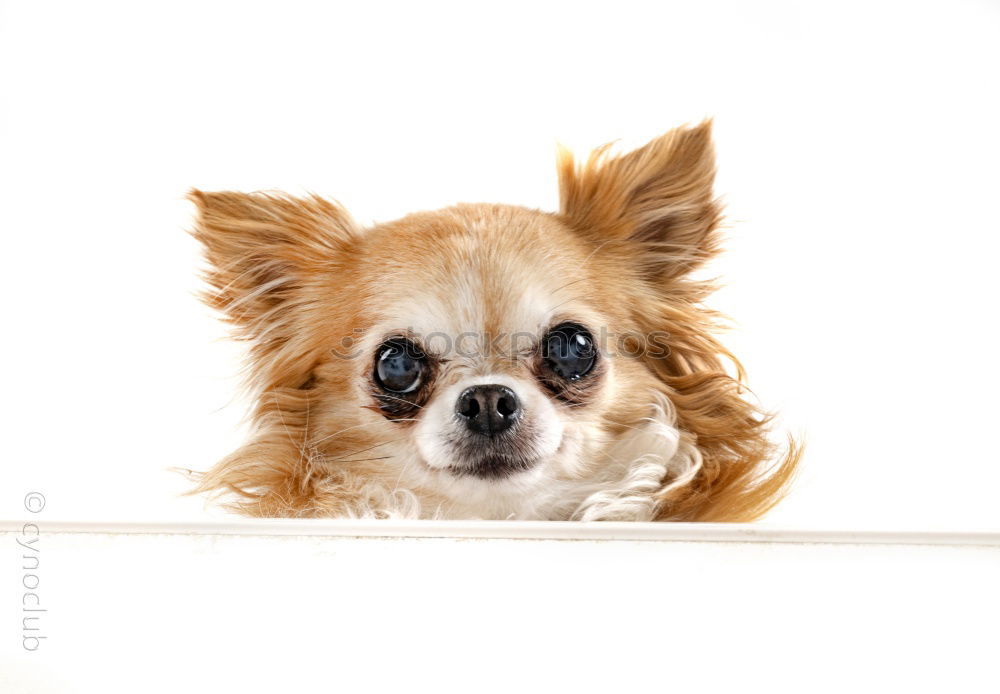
569,351
400,366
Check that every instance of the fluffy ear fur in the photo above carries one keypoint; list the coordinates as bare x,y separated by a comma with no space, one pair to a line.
654,210
266,253
273,262
657,199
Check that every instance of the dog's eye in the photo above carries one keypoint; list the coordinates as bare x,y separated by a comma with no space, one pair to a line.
400,366
569,351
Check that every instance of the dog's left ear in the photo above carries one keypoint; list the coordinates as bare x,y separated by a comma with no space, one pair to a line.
656,200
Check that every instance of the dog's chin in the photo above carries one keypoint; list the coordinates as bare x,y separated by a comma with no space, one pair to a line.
493,467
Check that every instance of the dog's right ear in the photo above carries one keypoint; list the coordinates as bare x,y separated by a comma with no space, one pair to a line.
268,255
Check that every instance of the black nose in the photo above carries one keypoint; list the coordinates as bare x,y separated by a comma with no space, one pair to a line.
488,410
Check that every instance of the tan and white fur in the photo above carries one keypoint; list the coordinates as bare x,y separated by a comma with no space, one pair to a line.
648,434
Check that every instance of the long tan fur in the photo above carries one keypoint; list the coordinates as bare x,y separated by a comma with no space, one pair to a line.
656,205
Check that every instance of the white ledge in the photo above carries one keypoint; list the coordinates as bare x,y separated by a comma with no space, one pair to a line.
513,530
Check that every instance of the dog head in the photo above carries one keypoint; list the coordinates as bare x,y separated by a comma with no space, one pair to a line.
490,361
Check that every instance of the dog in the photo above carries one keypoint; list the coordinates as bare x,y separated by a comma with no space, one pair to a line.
490,361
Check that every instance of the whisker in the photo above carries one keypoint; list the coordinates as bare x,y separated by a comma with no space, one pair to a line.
337,433
582,265
569,283
572,298
362,450
594,252
362,460
403,400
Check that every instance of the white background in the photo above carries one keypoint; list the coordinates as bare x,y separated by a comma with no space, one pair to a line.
858,151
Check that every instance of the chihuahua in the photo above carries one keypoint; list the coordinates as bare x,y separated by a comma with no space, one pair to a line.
490,361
